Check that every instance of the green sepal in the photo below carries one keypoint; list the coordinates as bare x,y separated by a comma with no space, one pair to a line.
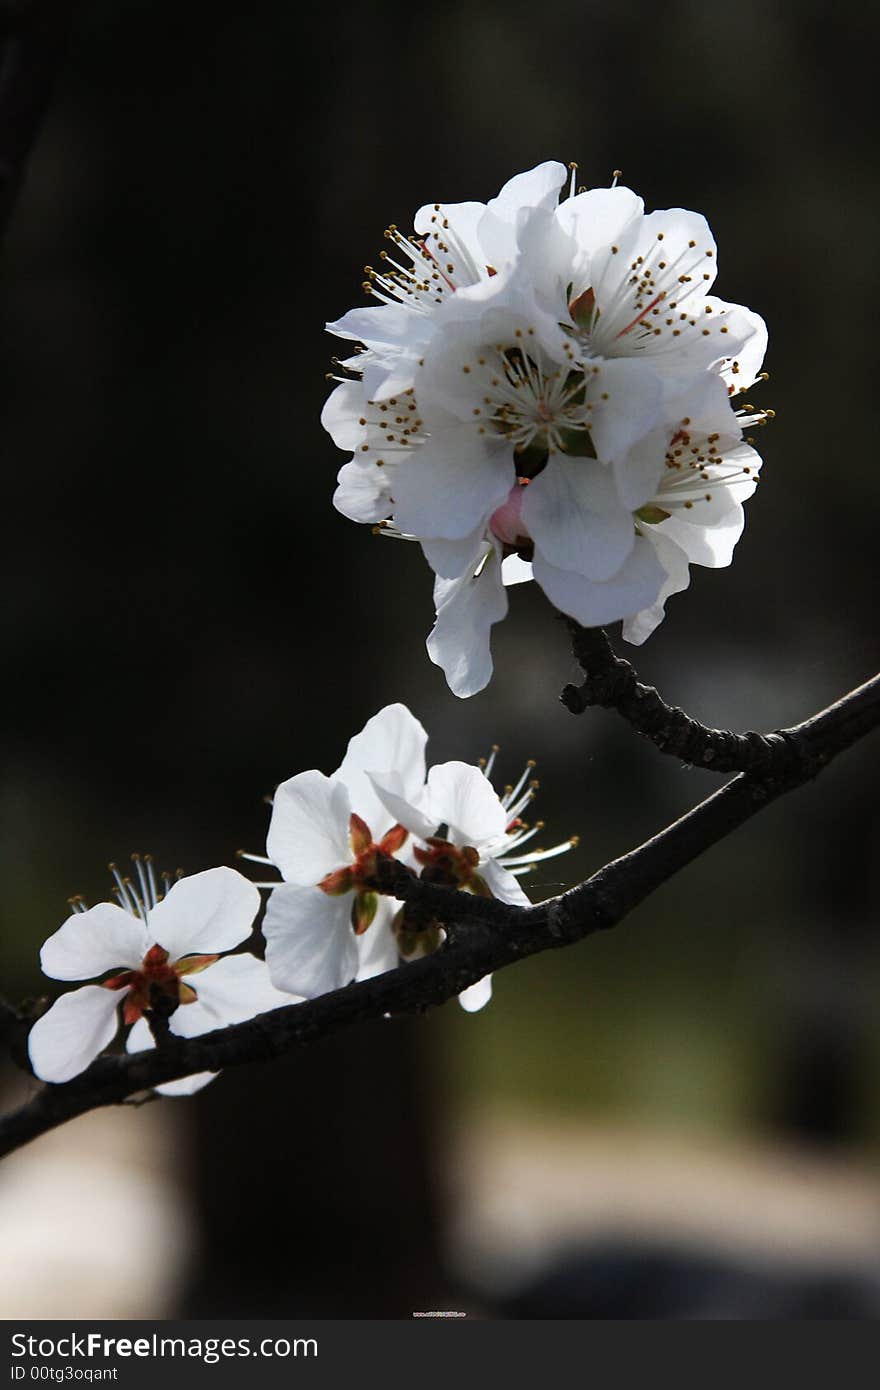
363,910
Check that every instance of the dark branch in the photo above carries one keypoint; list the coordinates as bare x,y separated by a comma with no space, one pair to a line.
33,42
612,683
484,935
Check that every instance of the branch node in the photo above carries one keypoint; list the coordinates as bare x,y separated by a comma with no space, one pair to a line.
612,683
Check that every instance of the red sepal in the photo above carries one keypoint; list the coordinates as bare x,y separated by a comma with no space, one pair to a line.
581,309
394,839
132,1009
119,981
337,883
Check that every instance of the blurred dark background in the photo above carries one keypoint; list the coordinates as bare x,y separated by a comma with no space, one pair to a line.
186,621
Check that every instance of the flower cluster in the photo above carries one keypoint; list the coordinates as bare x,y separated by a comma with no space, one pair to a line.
326,922
162,941
547,390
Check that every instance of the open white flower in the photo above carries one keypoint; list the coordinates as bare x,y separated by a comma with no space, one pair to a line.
325,924
162,942
514,395
676,498
695,513
454,246
472,840
468,604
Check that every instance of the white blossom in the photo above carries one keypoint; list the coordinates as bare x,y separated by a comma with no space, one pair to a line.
160,940
454,246
324,923
520,387
472,839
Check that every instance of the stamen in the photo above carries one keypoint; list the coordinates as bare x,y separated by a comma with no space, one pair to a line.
517,806
142,880
125,892
137,905
515,791
390,531
490,761
539,854
151,874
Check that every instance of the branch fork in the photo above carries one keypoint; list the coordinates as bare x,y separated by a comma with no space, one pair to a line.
612,683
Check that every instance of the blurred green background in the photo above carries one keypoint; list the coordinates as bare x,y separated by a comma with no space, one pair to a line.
187,621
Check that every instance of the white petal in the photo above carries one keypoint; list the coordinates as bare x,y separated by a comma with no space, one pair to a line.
515,570
477,996
505,215
73,1032
363,492
550,258
595,219
503,885
341,415
639,473
310,944
708,334
452,483
749,355
414,813
377,948
575,517
471,323
392,741
451,559
703,408
140,1039
635,586
384,325
666,260
309,830
231,990
638,628
627,398
186,1085
205,913
734,332
536,188
706,545
392,371
463,219
462,797
467,608
89,943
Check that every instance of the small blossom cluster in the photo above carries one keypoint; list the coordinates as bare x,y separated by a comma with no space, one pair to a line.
548,390
168,950
163,944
